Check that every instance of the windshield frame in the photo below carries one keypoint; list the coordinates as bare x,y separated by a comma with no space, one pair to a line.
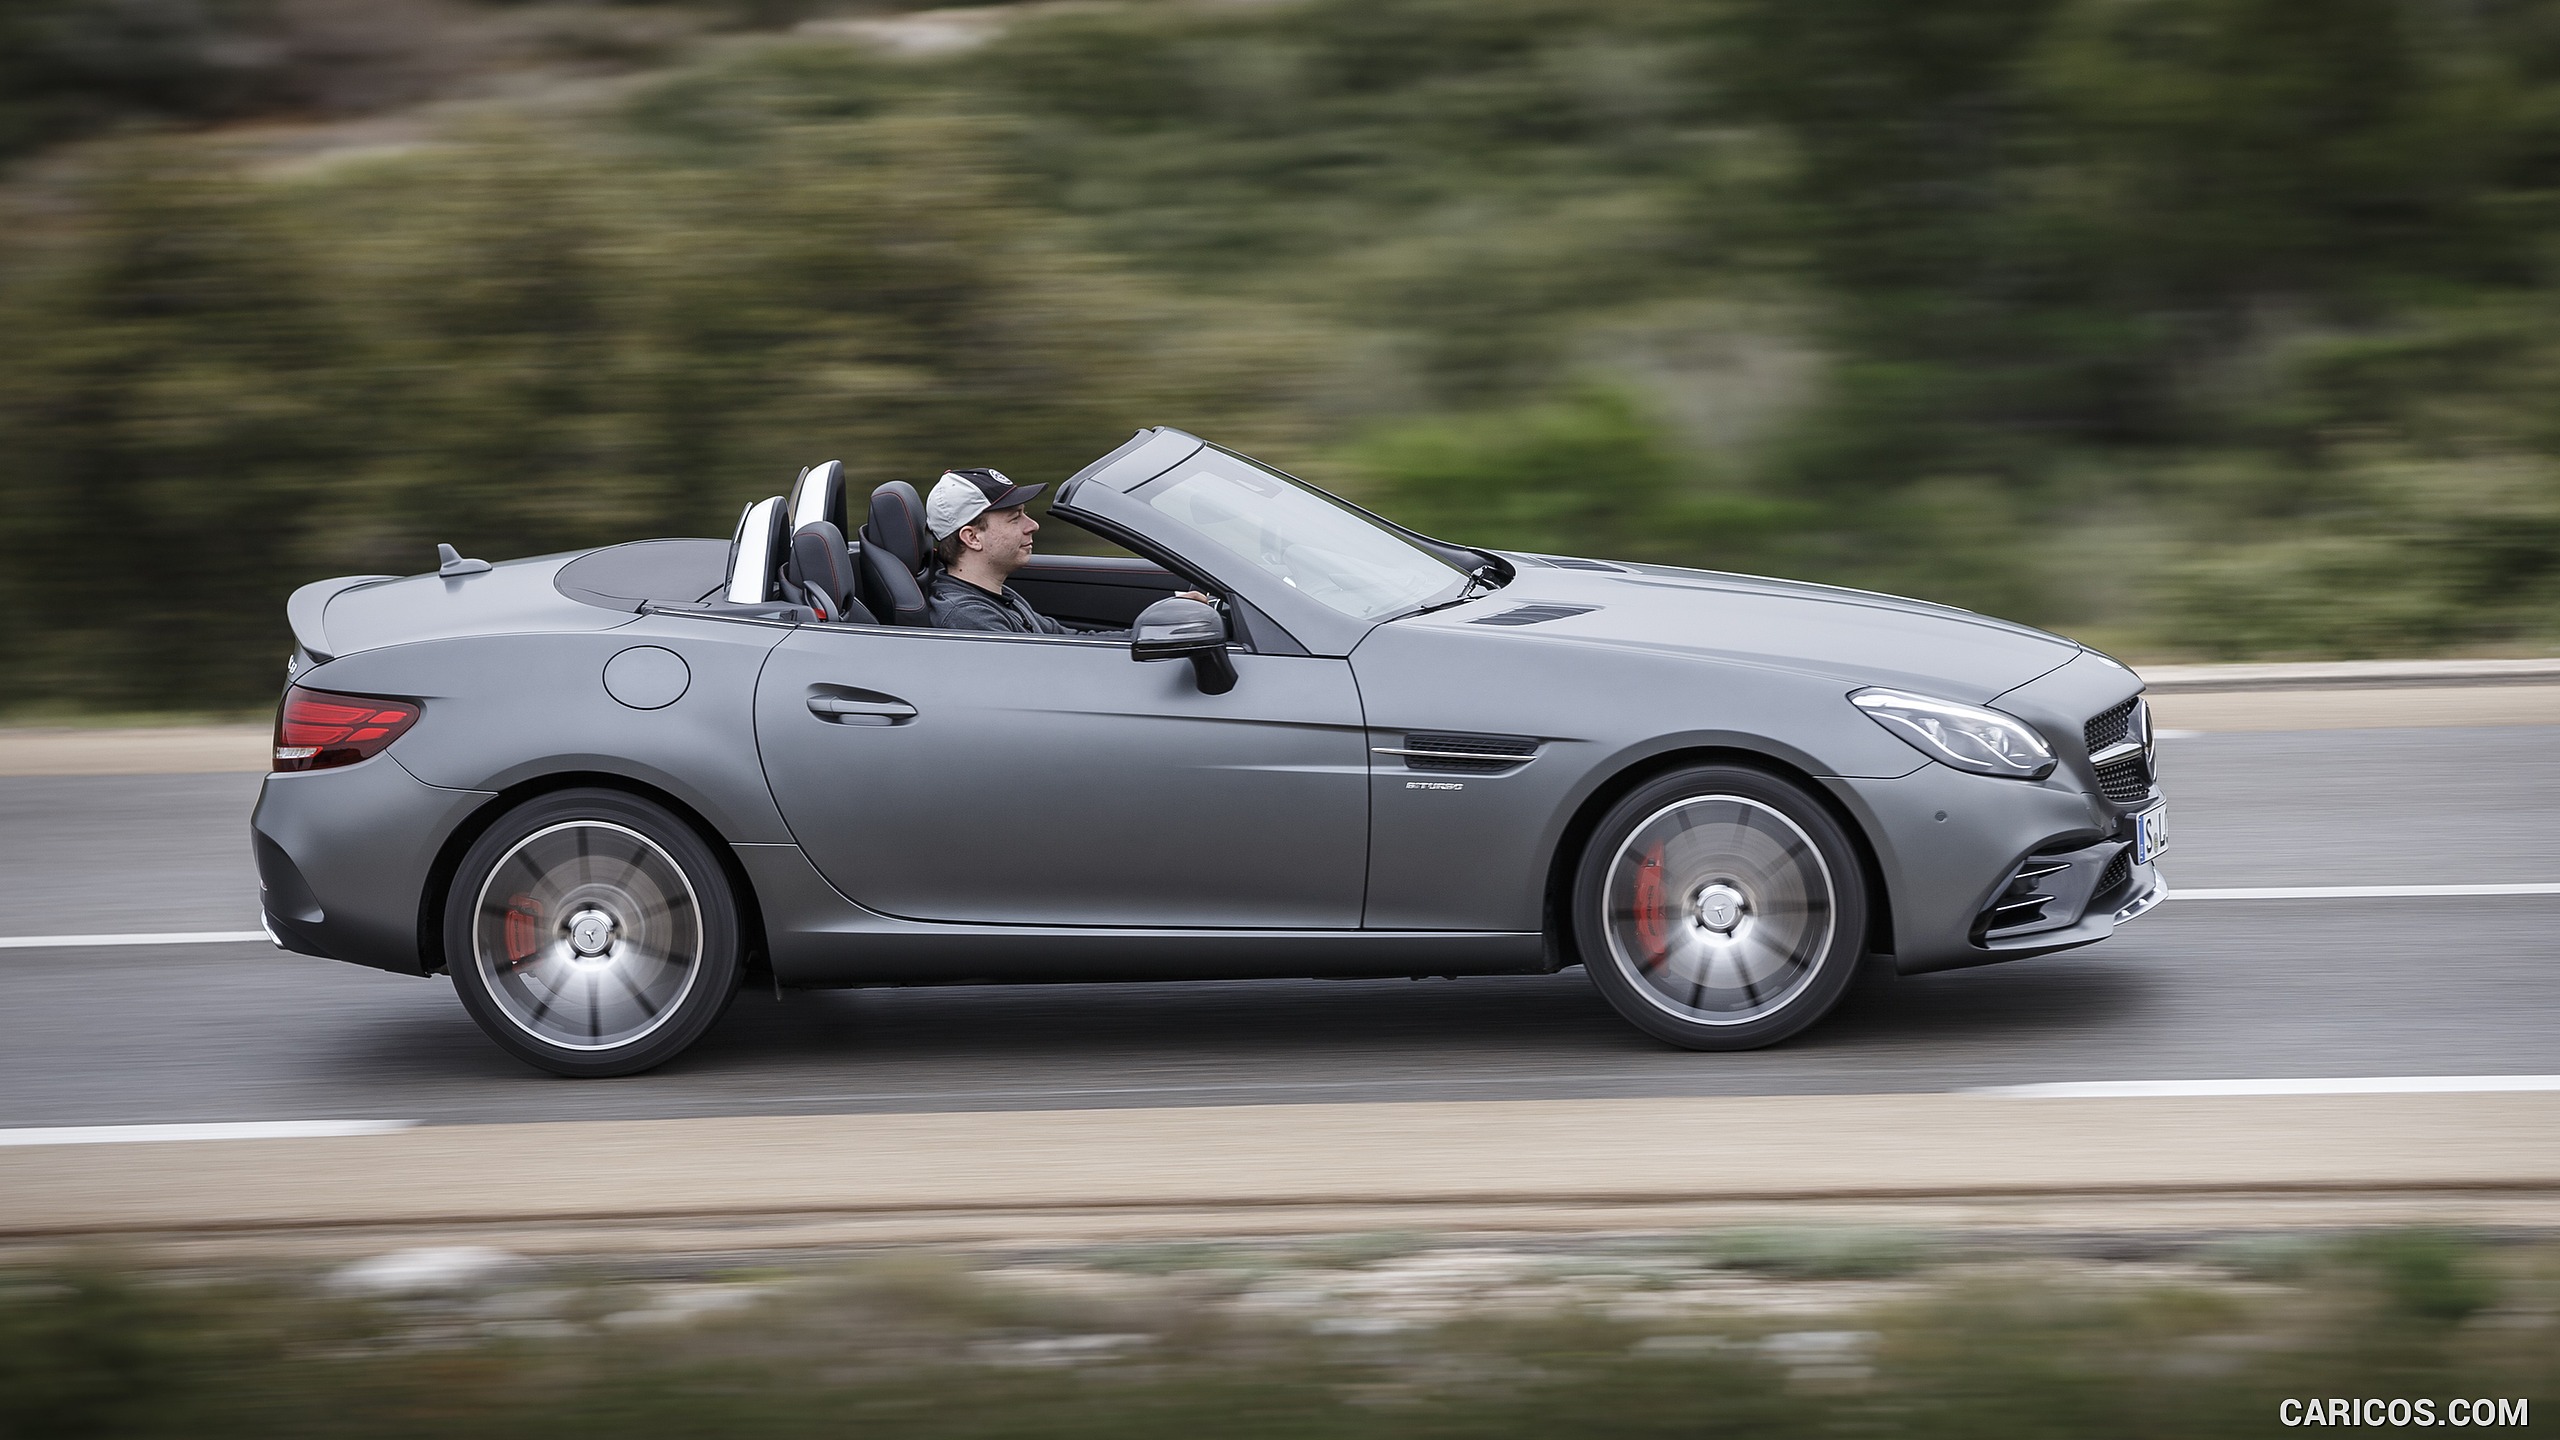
1299,625
1466,563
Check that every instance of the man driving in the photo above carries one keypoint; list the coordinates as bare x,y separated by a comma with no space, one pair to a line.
981,535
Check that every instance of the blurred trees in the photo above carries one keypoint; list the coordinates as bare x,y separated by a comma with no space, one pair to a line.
1494,478
2138,246
2215,326
223,386
71,66
75,68
177,405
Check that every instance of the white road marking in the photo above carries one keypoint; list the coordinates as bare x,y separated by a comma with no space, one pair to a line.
2362,892
209,1130
2175,734
2351,1085
168,937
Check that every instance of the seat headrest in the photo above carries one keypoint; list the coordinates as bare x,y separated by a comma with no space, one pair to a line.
823,573
896,524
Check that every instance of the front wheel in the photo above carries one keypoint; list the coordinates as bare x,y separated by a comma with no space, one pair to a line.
1720,908
592,933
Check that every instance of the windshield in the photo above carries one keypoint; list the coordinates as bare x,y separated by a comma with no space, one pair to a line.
1311,542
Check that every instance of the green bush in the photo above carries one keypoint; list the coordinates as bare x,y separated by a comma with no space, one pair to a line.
2427,1275
1820,1253
1587,474
89,1352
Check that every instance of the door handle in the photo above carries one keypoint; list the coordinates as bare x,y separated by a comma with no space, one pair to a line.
877,711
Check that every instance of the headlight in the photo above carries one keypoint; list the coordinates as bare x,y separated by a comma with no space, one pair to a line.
1968,737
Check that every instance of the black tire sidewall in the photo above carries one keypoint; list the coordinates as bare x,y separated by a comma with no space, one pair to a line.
1832,972
721,966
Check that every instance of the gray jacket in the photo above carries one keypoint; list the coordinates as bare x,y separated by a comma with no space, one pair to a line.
952,603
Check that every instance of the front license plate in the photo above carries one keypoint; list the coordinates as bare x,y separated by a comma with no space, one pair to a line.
2151,833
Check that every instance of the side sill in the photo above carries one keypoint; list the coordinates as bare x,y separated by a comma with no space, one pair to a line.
816,938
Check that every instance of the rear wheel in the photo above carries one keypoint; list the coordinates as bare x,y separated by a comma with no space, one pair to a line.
1720,908
592,932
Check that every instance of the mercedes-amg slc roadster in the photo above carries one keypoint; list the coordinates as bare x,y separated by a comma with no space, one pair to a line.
603,789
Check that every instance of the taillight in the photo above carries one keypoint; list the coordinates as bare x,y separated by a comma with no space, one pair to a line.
316,730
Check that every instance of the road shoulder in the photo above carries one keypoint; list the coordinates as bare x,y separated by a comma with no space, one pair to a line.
958,1176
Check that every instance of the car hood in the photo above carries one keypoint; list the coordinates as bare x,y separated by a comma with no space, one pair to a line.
1853,636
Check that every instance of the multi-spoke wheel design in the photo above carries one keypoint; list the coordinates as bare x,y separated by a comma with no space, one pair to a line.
1720,908
592,933
588,935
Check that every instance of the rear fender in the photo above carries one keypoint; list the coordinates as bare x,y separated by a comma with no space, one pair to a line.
505,711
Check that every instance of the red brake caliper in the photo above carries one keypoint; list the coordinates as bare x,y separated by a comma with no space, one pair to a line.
524,928
1651,927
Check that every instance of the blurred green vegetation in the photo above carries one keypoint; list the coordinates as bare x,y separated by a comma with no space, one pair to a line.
918,1345
1820,1252
2200,328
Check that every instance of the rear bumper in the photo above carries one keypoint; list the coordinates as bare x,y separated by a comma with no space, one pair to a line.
345,858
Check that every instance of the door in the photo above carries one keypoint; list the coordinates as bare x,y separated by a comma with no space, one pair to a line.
940,775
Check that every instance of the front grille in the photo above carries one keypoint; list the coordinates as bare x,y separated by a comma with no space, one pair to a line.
1470,754
2108,726
2118,871
2125,780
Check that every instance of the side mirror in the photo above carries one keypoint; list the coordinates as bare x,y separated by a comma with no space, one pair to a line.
1177,629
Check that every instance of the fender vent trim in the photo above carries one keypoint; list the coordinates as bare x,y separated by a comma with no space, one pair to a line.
1456,754
1533,614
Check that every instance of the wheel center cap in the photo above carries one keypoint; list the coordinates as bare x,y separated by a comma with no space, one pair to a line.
1719,908
590,933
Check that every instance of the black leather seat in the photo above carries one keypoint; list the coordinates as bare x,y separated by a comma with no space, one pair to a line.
819,574
895,547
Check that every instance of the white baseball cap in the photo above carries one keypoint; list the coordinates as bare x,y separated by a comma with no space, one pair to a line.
961,496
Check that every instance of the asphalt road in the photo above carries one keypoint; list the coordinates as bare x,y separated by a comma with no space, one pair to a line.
2198,989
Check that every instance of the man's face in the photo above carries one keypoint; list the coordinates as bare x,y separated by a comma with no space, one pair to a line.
1004,538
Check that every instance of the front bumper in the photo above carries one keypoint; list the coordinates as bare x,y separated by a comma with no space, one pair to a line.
1950,845
345,856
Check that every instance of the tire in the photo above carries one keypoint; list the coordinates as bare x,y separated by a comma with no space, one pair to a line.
1720,908
591,932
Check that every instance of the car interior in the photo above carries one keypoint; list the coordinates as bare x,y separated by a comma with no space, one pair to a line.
792,553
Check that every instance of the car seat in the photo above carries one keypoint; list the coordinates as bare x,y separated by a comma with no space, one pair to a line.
819,574
894,549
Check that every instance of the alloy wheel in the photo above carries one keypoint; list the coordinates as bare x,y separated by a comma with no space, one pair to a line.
1718,909
587,935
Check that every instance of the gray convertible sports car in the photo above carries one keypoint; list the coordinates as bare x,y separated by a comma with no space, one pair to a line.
601,789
